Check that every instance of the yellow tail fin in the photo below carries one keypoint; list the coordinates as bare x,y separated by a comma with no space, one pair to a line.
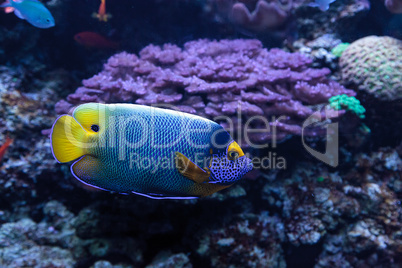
68,139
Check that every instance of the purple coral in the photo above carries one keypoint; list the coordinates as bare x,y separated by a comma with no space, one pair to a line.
214,79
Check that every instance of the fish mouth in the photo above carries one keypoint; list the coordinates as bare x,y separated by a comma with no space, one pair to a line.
247,165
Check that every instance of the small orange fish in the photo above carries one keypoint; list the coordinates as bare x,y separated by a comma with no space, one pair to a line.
94,40
3,148
102,15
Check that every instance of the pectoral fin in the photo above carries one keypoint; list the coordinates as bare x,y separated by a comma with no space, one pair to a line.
89,170
190,170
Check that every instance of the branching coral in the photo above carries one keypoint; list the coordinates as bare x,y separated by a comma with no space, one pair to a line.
238,79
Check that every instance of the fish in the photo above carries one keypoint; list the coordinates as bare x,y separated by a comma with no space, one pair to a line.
3,148
102,15
323,5
32,11
94,40
153,152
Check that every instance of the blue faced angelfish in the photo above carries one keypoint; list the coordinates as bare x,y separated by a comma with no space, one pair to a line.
154,152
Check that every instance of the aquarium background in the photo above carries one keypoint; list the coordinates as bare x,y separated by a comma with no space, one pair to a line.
304,213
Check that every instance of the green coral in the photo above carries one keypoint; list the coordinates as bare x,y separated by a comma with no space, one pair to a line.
320,179
338,50
348,103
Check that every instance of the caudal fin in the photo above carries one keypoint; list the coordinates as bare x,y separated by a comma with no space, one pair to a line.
68,139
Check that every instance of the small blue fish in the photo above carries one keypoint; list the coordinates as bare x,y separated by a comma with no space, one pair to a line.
323,5
157,153
33,11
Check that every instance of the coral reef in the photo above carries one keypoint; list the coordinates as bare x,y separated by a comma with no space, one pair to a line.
27,244
262,16
54,242
17,249
354,216
256,15
23,115
106,264
166,259
319,32
373,64
307,215
394,6
215,79
248,241
319,50
281,18
351,219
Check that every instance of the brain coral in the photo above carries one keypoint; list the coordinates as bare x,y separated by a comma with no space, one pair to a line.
374,65
215,79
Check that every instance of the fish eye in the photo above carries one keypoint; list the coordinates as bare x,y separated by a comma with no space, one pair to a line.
95,128
233,155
